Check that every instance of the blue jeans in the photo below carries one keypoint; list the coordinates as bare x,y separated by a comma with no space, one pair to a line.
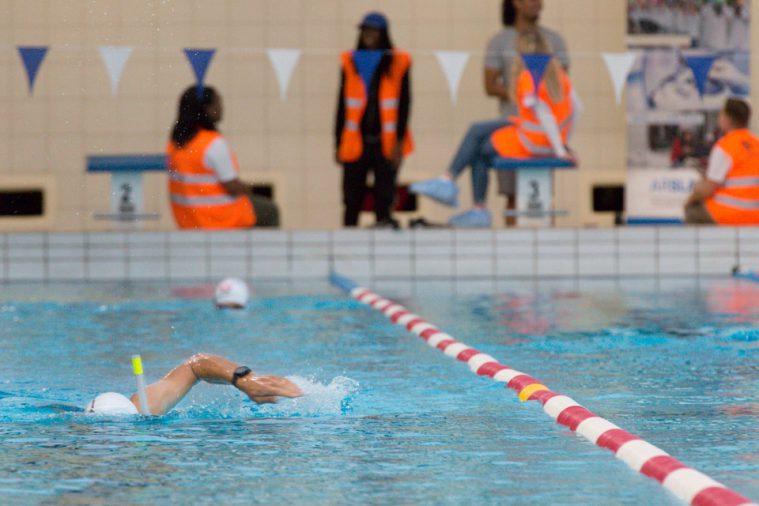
476,151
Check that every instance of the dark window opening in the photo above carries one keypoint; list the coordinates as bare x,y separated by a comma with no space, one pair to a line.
22,203
263,190
609,199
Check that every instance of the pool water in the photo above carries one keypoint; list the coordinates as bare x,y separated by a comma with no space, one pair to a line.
386,419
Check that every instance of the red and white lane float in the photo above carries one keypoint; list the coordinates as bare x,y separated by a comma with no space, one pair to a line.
689,485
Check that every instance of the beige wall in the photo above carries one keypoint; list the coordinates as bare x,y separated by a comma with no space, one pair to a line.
72,113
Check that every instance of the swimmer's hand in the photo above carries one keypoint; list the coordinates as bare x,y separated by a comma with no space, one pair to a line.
266,389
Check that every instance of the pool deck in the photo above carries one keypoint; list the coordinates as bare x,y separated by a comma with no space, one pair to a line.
368,256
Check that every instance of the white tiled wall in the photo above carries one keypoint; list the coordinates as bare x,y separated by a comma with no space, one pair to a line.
481,256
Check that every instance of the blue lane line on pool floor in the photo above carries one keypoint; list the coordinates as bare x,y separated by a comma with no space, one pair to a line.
748,276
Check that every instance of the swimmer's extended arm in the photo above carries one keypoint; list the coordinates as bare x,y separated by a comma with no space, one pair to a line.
163,395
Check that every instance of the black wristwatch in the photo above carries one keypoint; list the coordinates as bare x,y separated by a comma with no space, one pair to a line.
240,372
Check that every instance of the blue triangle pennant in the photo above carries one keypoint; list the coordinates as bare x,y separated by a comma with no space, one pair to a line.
200,59
31,57
701,65
366,64
536,64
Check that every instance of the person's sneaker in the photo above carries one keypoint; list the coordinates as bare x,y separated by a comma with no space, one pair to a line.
474,218
439,189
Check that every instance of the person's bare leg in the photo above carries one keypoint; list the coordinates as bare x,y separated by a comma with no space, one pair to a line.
511,205
166,393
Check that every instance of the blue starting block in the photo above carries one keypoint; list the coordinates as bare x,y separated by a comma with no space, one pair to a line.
746,275
127,189
535,184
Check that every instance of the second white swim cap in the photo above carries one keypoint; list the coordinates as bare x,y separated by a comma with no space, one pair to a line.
232,292
111,404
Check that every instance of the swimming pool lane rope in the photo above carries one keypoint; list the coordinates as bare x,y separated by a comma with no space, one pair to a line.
686,483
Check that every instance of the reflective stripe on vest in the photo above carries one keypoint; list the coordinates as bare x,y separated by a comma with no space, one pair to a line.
741,182
191,179
389,103
737,203
354,103
352,126
531,127
202,201
532,147
390,127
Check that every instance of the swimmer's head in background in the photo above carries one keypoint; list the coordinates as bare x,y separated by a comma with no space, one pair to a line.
111,404
232,294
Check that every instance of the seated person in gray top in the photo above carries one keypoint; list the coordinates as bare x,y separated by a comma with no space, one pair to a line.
519,16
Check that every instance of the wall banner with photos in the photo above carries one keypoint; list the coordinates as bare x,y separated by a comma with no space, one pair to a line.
692,56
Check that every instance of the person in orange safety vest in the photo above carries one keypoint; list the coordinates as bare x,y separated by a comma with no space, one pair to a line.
546,114
204,185
729,192
372,126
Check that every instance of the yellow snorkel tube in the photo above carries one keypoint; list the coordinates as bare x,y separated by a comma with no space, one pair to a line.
142,393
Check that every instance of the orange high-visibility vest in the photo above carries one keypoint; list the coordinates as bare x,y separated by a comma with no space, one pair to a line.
198,200
525,138
356,95
737,200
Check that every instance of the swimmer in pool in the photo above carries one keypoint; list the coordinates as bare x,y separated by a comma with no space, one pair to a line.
231,293
166,393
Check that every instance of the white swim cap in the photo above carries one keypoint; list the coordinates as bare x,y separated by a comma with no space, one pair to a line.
111,404
232,292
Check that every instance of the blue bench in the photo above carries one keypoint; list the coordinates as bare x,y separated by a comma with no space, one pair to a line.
534,176
126,163
532,163
127,192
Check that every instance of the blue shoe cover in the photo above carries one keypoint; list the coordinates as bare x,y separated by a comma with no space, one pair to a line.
474,218
440,190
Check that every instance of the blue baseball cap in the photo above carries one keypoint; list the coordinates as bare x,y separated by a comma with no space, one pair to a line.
375,20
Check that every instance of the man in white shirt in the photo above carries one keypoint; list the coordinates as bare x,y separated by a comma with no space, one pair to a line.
715,25
740,27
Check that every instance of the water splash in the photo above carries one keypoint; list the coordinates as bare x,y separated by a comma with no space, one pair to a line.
318,399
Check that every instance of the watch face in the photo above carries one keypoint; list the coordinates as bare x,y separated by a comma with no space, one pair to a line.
242,371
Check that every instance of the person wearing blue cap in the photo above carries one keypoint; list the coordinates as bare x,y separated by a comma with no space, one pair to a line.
372,125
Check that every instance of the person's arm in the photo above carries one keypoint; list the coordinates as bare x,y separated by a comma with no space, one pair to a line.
340,115
404,112
495,78
494,86
219,157
166,393
702,191
237,188
720,164
561,52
